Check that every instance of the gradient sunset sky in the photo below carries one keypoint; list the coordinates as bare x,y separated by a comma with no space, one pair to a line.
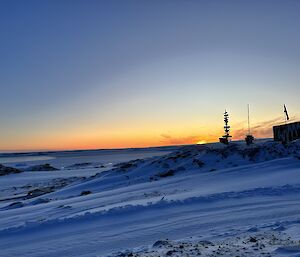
109,74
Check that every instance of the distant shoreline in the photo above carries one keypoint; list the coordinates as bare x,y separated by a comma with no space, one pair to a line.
47,152
38,153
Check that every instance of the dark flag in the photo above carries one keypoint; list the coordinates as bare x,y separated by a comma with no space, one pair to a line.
286,113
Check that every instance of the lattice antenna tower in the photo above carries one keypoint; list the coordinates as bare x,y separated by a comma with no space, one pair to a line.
225,138
226,127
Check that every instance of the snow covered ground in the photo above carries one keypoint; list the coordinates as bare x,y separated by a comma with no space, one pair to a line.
209,200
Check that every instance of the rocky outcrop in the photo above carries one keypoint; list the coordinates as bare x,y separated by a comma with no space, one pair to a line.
39,191
8,170
87,192
42,167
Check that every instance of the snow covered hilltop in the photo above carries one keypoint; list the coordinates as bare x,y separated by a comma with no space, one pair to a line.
209,200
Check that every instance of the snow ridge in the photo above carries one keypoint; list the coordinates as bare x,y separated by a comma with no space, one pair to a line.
199,197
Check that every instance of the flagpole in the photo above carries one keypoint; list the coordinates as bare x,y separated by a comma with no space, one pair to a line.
286,116
285,120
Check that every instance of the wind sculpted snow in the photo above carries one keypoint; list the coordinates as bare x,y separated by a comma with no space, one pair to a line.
192,196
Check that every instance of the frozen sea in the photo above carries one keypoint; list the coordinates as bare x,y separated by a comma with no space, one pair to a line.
61,159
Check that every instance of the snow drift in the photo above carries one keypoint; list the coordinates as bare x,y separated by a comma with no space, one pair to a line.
200,199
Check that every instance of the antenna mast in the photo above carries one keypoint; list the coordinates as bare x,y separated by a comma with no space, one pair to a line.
226,127
248,120
225,139
249,138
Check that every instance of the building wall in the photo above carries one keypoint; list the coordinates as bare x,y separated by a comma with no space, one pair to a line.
287,132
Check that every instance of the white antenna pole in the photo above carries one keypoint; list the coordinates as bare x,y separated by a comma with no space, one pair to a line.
248,120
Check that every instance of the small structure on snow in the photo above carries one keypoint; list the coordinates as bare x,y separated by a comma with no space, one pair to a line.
288,131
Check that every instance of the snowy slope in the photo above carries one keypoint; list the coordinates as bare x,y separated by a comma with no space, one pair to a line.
199,198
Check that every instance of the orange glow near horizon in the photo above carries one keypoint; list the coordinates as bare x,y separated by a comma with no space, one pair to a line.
131,137
85,141
101,75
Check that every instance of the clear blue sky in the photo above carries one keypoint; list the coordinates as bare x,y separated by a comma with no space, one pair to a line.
92,74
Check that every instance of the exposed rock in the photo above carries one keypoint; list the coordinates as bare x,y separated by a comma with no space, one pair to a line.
169,253
87,192
79,165
199,163
8,170
166,173
39,191
125,166
42,167
205,242
161,243
15,205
